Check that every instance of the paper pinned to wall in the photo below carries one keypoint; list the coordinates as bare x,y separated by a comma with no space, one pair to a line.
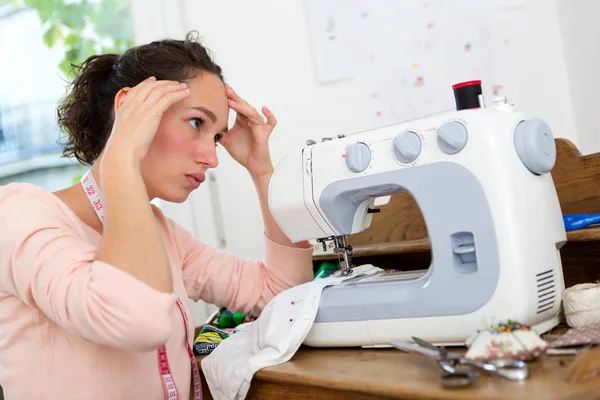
330,43
404,55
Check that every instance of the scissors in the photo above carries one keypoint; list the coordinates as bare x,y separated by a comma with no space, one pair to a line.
458,370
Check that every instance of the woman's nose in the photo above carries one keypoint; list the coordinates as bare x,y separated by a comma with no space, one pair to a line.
207,154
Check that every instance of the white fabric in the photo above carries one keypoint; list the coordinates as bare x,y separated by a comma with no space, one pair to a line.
270,340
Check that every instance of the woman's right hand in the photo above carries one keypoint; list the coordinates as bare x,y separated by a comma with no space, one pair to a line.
138,112
131,236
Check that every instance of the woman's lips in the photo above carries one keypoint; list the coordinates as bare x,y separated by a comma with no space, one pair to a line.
195,179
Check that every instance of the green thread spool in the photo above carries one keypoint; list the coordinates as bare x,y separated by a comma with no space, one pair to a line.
326,269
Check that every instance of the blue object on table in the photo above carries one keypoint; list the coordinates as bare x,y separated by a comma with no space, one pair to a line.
579,221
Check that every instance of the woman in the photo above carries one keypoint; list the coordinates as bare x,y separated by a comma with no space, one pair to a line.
93,287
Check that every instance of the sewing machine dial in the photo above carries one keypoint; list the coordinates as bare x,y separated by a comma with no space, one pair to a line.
407,146
358,157
452,137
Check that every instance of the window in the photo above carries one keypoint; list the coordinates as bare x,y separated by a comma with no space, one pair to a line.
39,40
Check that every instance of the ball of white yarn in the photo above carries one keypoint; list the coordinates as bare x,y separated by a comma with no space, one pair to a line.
582,304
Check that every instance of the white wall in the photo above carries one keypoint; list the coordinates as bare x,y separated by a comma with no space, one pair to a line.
559,68
545,90
580,33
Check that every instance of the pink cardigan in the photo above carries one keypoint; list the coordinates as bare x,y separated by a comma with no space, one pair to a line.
75,328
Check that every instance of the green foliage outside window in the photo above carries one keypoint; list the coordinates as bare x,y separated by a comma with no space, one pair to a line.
83,27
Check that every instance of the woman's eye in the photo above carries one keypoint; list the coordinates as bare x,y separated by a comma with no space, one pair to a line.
196,123
218,137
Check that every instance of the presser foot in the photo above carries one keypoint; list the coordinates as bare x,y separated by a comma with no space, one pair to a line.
346,251
340,246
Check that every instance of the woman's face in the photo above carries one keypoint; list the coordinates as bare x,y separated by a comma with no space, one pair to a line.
184,146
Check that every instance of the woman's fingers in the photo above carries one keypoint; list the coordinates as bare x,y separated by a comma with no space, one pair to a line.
156,96
139,94
133,92
168,99
142,111
147,90
159,91
247,111
271,120
232,95
241,106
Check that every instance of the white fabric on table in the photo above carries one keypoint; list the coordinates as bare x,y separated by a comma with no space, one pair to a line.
270,340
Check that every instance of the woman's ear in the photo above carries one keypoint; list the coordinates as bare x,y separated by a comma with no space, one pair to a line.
120,97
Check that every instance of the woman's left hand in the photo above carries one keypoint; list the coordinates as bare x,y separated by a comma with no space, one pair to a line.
248,140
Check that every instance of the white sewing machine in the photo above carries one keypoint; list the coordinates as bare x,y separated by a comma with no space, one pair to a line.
480,176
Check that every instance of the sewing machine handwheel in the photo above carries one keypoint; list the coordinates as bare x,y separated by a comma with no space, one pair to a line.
535,145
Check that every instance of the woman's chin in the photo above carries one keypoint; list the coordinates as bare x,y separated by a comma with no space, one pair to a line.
177,196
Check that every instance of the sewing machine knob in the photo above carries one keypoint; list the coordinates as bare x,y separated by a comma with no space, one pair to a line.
452,137
535,145
407,146
358,157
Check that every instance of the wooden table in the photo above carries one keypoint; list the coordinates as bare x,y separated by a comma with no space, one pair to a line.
393,374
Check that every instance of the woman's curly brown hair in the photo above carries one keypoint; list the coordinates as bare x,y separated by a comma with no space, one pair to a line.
86,113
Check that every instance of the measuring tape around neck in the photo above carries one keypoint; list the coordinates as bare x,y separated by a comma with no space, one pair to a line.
94,195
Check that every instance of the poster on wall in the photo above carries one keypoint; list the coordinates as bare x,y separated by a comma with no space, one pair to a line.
404,55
